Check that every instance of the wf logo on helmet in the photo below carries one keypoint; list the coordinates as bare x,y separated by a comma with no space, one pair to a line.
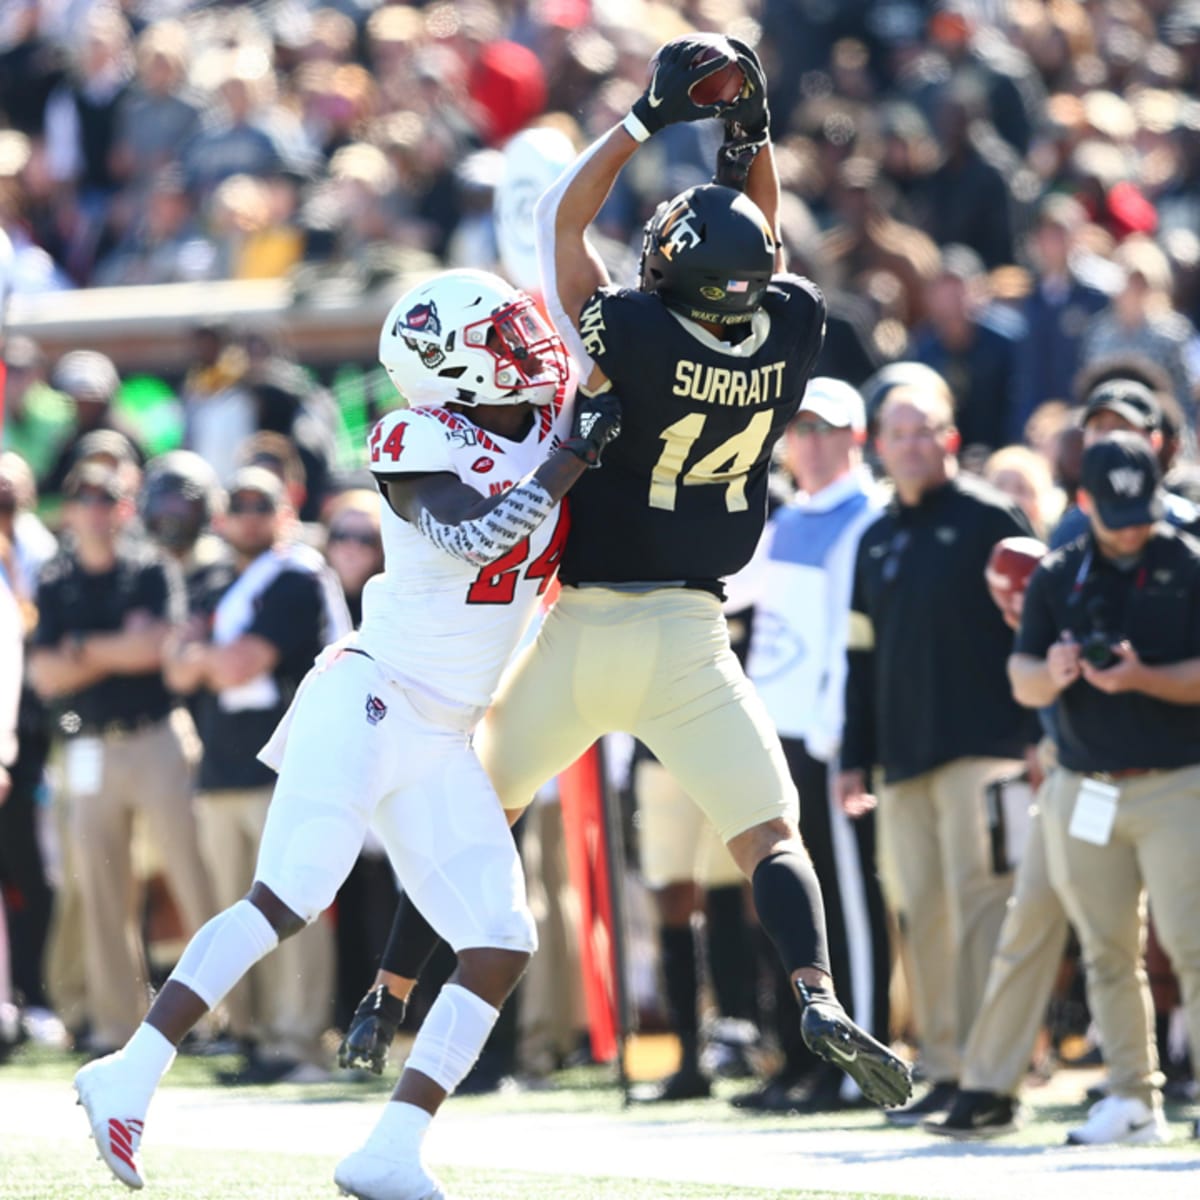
678,233
376,710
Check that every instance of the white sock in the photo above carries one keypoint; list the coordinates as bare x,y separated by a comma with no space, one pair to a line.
452,1035
223,951
401,1128
149,1054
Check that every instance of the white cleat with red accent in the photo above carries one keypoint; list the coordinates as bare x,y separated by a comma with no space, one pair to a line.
116,1110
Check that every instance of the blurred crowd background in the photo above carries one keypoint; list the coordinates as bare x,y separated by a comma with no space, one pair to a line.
1007,191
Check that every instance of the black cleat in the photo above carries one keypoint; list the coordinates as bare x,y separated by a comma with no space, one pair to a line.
976,1115
683,1085
831,1035
372,1028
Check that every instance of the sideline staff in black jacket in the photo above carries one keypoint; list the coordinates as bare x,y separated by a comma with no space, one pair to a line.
927,700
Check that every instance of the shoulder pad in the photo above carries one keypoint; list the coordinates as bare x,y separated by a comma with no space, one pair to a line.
407,441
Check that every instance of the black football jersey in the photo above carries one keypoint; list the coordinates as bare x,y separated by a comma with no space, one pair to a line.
682,493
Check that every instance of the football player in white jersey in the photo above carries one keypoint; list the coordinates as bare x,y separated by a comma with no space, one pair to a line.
380,730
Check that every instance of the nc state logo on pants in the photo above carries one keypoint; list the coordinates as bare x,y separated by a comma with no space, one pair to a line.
376,710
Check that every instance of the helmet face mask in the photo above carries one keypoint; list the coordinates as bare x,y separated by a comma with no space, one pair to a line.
709,254
467,337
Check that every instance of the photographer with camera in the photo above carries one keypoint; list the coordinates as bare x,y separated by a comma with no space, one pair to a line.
1110,632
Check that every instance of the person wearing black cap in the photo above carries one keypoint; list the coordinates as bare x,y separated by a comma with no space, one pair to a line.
1126,405
1110,634
104,606
241,658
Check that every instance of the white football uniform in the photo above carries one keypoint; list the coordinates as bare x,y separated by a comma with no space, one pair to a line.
380,731
432,618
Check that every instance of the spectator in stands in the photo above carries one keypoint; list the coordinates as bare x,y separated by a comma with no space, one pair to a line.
157,116
81,121
867,239
238,143
218,409
976,347
1058,307
37,419
927,700
970,198
104,608
164,243
268,623
1141,320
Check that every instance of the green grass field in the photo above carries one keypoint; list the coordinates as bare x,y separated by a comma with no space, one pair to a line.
305,1130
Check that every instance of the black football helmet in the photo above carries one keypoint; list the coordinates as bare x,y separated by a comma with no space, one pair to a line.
709,253
178,499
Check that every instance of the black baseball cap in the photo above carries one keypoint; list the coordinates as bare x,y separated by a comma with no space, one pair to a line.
1122,475
1130,399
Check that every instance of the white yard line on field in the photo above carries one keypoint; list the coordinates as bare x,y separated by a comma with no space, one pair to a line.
878,1160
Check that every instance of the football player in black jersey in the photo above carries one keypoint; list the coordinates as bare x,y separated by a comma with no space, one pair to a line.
710,354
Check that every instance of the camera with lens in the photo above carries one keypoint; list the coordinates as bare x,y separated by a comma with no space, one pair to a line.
1096,648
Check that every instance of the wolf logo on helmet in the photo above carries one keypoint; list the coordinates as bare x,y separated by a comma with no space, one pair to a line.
496,348
422,319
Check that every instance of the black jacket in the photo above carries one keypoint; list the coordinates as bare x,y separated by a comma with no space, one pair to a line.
928,679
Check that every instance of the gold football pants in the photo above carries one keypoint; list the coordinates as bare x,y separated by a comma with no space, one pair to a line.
656,665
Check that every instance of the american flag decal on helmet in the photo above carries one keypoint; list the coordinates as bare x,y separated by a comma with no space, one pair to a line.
376,709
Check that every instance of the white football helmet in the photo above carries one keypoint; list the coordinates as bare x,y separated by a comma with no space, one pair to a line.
467,337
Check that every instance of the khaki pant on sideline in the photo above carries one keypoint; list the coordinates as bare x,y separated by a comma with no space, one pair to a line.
936,863
1154,847
145,774
551,1014
1021,977
285,1002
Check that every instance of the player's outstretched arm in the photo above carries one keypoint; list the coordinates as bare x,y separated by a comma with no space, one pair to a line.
480,529
571,270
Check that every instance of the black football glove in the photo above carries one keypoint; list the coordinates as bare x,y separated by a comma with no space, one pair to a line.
746,121
597,422
668,100
372,1029
748,117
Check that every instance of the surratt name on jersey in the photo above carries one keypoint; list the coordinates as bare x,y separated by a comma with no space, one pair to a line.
728,385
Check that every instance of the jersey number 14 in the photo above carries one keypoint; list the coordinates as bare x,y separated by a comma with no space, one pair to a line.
729,463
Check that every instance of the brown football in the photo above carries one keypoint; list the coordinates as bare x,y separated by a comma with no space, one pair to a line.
1012,561
724,85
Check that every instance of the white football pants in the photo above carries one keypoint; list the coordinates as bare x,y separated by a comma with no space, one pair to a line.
363,751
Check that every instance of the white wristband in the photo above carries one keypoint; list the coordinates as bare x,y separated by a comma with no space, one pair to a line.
635,128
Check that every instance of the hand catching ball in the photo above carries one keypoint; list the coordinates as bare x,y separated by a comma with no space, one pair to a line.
725,84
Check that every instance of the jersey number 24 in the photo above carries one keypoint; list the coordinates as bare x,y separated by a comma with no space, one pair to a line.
497,582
